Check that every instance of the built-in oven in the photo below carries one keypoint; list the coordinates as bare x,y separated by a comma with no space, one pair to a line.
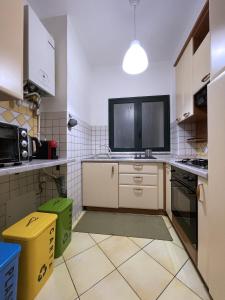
13,144
185,208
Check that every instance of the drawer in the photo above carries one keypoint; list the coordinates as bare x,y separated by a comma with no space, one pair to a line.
138,179
145,197
150,168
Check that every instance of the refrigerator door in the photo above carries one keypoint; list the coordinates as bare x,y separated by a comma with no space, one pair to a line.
216,185
217,29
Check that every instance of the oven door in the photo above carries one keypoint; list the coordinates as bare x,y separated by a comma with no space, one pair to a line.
9,147
184,210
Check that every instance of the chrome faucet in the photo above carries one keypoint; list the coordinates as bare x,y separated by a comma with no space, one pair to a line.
109,151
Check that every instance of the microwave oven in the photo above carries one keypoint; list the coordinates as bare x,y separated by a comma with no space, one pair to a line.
13,144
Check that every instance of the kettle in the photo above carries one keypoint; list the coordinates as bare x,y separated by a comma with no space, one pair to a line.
33,147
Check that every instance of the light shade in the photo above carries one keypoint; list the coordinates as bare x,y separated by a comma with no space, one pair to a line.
135,60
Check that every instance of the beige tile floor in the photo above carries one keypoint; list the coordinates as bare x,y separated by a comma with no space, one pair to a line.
102,267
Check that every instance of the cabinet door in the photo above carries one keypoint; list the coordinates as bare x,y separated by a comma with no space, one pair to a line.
216,203
11,49
203,234
188,103
144,197
100,184
217,28
179,91
201,65
168,191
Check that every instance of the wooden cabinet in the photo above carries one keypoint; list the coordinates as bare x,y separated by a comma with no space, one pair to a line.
201,65
141,185
11,49
184,95
203,230
168,191
216,205
217,28
141,197
100,184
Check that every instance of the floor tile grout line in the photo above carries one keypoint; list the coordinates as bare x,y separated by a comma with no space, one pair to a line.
165,288
161,264
130,238
72,280
91,287
189,288
79,253
185,283
116,268
100,241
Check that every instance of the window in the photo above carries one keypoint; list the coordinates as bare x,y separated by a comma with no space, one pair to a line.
136,124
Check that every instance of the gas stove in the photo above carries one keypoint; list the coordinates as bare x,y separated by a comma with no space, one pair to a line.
195,162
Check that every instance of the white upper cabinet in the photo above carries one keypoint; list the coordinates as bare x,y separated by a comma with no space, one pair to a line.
217,28
184,95
201,65
39,68
11,49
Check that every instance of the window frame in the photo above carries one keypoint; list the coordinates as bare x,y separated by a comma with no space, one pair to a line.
138,122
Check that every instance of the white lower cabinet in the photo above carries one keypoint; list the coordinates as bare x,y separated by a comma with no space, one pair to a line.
203,232
142,197
141,185
100,184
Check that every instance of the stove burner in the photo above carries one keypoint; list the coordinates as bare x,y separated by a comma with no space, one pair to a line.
200,163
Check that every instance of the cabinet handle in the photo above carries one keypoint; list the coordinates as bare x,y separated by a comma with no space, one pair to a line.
206,78
138,190
138,178
113,170
138,167
198,192
186,114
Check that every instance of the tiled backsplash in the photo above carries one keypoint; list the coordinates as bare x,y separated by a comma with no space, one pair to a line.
179,144
78,147
22,115
99,139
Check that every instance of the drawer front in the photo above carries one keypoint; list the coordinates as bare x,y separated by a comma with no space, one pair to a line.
138,179
150,168
145,197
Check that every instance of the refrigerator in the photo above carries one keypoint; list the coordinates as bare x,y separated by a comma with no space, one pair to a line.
216,152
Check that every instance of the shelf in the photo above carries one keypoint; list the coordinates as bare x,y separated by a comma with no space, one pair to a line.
197,140
35,164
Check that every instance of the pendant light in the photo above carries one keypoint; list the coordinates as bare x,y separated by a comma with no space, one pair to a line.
135,60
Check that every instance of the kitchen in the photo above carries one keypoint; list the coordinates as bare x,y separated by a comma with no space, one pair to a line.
135,145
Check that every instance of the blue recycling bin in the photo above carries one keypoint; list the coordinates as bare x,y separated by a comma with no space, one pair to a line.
9,259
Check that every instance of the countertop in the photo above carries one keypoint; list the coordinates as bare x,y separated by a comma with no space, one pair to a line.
169,159
35,164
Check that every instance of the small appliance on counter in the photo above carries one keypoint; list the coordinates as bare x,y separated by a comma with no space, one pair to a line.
44,149
13,144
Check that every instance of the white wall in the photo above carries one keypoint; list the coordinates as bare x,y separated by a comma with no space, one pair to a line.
57,27
78,76
112,82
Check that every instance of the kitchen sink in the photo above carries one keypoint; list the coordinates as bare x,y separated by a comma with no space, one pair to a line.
105,156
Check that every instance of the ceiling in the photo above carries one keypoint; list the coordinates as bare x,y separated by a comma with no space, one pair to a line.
105,26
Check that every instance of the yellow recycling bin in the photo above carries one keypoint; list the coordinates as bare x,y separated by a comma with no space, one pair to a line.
36,234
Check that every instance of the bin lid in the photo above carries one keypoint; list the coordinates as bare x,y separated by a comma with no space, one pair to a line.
55,205
30,227
7,253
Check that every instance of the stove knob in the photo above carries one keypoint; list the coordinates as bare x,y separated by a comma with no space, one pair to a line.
23,133
24,154
24,144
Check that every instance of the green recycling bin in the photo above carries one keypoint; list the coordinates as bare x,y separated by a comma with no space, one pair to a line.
63,208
